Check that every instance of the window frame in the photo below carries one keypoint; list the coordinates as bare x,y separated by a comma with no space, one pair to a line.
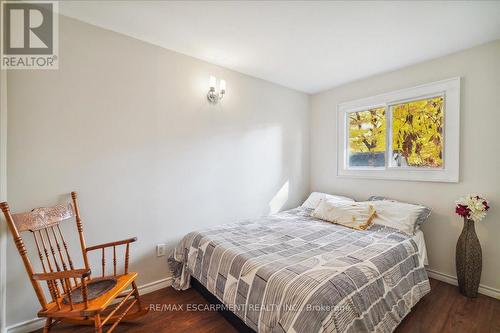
449,89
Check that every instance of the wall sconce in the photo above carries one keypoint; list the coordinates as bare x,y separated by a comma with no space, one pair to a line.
213,96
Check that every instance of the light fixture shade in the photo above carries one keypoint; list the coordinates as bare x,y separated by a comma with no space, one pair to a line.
212,82
213,95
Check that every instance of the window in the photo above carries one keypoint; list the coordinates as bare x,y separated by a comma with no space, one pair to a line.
410,134
417,133
367,136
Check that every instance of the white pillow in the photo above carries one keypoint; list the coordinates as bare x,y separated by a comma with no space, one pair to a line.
315,197
398,215
425,212
356,215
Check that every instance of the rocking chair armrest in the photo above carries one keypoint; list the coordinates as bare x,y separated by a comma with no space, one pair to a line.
101,246
75,273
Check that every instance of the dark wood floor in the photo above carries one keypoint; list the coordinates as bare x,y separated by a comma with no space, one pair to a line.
443,310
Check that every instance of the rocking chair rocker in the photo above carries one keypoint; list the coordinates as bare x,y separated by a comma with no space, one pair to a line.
76,297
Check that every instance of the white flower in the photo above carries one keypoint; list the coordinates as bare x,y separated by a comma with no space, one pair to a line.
476,205
477,216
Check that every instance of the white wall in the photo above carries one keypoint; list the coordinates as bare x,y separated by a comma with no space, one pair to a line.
127,125
479,154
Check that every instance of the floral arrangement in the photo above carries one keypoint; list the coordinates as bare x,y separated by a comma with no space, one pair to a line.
472,207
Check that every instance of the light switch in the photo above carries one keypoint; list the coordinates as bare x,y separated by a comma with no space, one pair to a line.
161,250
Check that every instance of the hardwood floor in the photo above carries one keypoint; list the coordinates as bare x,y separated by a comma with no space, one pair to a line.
443,310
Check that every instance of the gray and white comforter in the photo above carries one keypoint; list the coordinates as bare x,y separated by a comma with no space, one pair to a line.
290,272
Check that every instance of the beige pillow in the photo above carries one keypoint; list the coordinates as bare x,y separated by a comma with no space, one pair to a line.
355,215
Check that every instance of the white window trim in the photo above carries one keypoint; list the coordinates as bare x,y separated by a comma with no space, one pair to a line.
450,89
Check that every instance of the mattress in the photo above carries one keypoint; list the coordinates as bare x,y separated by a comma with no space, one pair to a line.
290,272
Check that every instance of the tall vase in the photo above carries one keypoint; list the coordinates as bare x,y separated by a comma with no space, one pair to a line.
468,260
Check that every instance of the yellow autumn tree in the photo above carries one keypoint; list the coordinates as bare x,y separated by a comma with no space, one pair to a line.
367,131
417,133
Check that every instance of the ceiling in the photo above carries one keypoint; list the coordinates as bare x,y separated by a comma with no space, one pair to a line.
309,46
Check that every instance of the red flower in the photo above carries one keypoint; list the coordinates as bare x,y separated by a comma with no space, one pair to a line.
462,210
486,207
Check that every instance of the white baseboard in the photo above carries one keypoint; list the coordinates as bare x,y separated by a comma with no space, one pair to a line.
37,323
26,326
155,285
485,290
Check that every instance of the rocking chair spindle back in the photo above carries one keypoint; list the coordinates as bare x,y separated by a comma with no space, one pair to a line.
75,296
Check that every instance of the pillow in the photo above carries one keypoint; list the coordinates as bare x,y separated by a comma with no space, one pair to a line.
398,215
355,215
424,214
315,197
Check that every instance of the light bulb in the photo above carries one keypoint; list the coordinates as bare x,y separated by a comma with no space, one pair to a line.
212,82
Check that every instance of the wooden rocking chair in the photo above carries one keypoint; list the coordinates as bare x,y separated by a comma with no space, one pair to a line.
76,297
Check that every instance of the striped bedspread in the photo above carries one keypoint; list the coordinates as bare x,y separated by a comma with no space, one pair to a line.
290,272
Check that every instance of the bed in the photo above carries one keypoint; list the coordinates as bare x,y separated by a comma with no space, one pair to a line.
290,272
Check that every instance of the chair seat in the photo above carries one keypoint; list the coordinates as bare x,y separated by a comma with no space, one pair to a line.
95,288
104,293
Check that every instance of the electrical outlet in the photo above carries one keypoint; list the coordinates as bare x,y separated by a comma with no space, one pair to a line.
161,250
